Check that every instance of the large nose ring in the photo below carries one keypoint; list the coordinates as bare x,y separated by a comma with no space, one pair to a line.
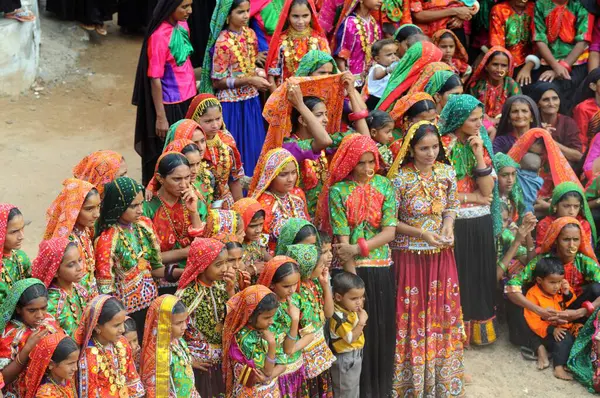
370,173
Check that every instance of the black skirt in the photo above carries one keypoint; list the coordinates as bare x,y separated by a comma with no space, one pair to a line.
134,15
199,23
88,12
9,5
380,332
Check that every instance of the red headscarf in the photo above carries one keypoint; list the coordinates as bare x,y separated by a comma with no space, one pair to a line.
203,251
585,247
46,264
64,211
199,105
239,309
5,208
39,359
266,276
99,168
346,158
247,208
461,58
403,105
478,74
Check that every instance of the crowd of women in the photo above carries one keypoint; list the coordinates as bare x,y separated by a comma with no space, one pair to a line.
341,205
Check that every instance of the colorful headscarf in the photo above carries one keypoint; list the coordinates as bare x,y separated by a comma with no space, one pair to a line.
312,61
88,323
266,276
178,145
408,70
40,357
247,208
154,185
460,54
426,75
269,166
352,147
200,104
288,233
155,359
306,256
203,251
98,168
278,110
569,186
403,105
221,223
501,161
399,160
479,72
118,195
5,209
183,129
46,264
64,211
14,294
239,310
437,81
585,246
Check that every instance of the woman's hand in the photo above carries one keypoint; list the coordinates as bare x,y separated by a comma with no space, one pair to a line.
464,13
162,126
524,77
260,83
454,23
346,252
294,96
292,310
200,365
348,81
268,336
324,277
34,339
261,58
148,195
229,279
432,238
476,144
561,72
483,200
448,234
548,76
190,199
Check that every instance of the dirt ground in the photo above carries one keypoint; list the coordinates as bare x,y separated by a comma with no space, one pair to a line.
90,109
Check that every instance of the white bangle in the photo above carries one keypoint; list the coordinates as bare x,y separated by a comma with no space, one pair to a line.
534,60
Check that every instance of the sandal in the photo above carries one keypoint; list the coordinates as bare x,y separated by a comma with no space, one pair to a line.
101,30
87,27
20,15
528,354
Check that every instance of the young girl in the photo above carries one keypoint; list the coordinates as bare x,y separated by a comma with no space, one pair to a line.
274,186
297,32
441,86
15,264
204,288
296,231
23,322
281,275
73,215
410,109
587,111
127,250
316,305
223,157
255,243
356,30
131,335
186,129
100,167
317,63
58,265
455,54
249,346
106,365
230,69
381,125
53,367
166,363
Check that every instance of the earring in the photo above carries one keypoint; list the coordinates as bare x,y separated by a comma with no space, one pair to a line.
227,21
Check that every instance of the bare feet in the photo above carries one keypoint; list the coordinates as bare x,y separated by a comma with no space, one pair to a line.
561,373
542,362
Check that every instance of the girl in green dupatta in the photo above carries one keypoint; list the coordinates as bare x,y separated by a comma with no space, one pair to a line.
296,231
442,85
478,220
15,264
584,359
316,63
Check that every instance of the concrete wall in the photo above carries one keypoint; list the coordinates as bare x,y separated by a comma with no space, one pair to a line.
19,51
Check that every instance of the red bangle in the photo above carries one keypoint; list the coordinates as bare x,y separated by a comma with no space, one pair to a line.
565,65
195,232
358,115
589,307
364,248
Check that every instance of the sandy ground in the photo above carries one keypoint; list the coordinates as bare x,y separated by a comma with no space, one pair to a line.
90,108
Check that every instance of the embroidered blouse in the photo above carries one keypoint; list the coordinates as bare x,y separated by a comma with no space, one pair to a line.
67,308
15,267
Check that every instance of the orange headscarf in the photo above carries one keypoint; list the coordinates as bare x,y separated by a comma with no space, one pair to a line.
585,247
40,357
247,208
268,167
62,214
404,104
99,168
200,104
266,276
426,75
154,185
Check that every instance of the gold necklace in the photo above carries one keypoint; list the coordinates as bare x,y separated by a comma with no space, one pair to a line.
436,202
114,373
364,39
182,239
290,49
246,62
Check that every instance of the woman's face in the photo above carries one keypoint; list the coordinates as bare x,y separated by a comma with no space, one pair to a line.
122,169
497,67
194,160
239,17
287,286
320,112
212,121
402,48
365,168
521,116
299,17
442,100
429,116
71,269
15,233
567,244
65,369
506,179
285,180
426,150
216,270
448,48
134,211
178,181
200,139
178,325
254,229
568,207
112,330
183,11
234,258
134,342
90,211
265,319
34,312
473,123
324,70
549,103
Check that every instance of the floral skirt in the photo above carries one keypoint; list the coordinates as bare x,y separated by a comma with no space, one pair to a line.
292,383
320,386
317,356
430,331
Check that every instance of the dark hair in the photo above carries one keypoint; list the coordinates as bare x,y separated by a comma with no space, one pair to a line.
300,2
585,91
130,325
111,307
190,148
448,35
70,245
65,347
235,4
179,307
377,119
324,237
31,293
452,82
13,213
305,232
170,162
379,44
505,125
388,28
259,214
406,31
495,54
418,38
310,101
285,270
571,194
268,303
344,281
420,107
421,132
547,266
233,245
92,192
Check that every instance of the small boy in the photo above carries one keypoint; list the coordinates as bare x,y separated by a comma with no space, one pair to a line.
346,332
528,176
551,291
384,53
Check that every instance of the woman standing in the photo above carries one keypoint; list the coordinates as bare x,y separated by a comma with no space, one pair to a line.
428,297
469,149
91,14
519,115
164,82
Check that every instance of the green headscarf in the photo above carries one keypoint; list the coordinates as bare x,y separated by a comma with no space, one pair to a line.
288,233
569,186
306,256
406,63
118,195
217,23
180,45
502,160
9,306
455,113
312,61
171,133
580,358
437,81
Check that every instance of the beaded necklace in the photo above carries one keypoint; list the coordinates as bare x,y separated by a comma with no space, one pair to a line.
136,230
221,163
240,40
64,392
218,325
113,370
364,38
282,206
204,177
290,49
182,239
436,201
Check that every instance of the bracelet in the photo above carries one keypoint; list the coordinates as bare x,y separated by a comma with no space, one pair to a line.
18,360
364,248
195,232
534,60
501,265
565,65
483,172
353,117
270,360
447,216
588,306
169,273
231,82
291,338
254,269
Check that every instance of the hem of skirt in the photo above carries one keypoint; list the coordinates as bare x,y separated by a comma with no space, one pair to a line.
481,333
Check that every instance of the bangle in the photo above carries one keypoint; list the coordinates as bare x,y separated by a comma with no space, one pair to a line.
364,248
22,364
291,338
231,82
448,216
534,60
465,198
565,65
195,232
353,117
483,172
254,269
588,306
501,265
169,273
270,360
